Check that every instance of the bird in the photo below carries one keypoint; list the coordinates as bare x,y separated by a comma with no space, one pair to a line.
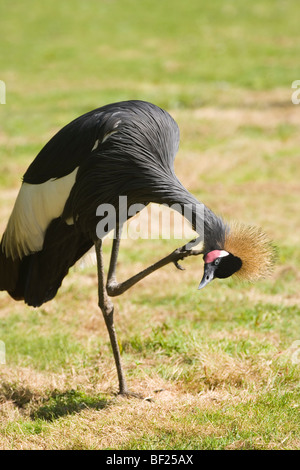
123,149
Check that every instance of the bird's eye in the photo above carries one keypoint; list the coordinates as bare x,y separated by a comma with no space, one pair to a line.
217,261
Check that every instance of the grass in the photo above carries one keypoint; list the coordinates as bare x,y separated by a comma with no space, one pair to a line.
220,366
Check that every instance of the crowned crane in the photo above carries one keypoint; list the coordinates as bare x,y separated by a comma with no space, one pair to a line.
121,149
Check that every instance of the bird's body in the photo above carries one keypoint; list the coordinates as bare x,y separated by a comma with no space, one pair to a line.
122,149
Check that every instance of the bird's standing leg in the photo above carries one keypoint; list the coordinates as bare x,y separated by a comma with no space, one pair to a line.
107,309
113,288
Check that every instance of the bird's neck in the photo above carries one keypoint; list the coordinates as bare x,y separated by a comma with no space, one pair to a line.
210,227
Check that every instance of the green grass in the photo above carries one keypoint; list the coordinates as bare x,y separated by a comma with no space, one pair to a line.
221,366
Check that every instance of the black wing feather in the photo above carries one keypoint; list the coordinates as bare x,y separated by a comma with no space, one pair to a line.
65,151
69,148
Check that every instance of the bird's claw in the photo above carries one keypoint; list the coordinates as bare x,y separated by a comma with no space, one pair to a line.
178,266
182,253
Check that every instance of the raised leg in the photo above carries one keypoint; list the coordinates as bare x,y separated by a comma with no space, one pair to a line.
115,288
111,277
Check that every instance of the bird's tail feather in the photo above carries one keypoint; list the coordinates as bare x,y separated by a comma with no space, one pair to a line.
37,277
9,272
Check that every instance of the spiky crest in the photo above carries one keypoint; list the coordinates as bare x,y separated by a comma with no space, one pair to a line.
253,247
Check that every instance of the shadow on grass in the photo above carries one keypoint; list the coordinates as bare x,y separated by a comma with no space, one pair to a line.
67,403
19,395
50,408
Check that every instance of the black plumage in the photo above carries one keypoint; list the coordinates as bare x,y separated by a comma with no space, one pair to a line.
135,146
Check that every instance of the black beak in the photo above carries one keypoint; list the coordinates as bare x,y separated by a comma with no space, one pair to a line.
208,276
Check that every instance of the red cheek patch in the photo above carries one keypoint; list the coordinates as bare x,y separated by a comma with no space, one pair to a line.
211,256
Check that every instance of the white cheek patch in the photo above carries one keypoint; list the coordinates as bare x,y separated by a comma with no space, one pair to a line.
223,253
35,207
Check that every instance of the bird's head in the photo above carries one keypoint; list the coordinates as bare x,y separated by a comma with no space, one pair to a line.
220,264
246,252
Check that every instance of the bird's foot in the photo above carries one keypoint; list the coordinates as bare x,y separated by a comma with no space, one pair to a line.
130,394
182,253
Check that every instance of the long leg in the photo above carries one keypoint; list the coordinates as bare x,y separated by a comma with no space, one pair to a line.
111,277
114,288
107,309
